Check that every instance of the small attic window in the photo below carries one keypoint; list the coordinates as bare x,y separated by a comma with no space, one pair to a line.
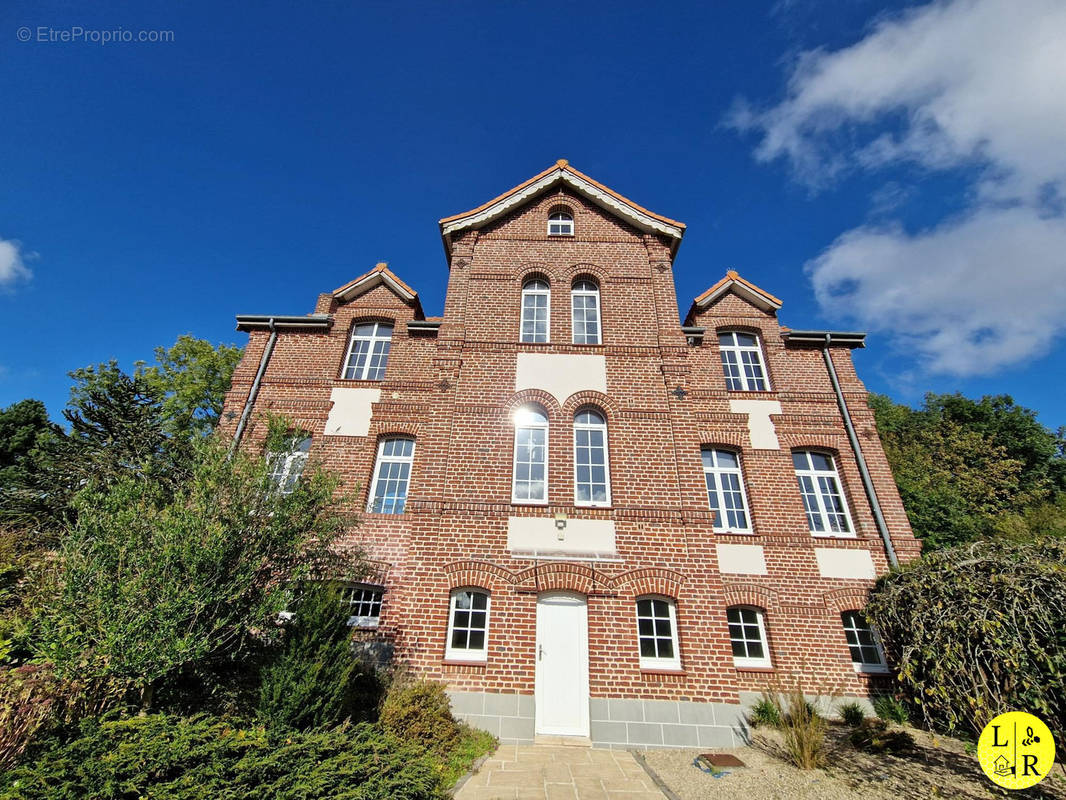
560,223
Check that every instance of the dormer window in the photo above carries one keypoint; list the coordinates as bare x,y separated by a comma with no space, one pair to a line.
560,223
742,362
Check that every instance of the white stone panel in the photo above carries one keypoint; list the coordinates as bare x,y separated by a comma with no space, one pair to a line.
350,413
760,427
743,559
560,374
834,562
592,537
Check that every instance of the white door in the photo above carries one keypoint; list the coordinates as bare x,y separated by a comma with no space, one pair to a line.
562,658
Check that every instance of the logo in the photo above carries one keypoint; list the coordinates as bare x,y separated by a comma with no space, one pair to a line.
1016,750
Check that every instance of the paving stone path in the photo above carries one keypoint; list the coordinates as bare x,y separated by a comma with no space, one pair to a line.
547,772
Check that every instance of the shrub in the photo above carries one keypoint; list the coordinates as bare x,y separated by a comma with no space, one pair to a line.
420,711
891,709
765,712
157,757
29,702
852,714
977,630
803,731
315,680
874,736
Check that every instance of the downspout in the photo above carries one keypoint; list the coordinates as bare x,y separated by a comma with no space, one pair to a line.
254,391
867,482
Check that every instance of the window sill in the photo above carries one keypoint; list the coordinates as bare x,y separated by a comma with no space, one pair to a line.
463,662
596,507
727,532
370,513
662,671
759,670
864,669
362,380
845,536
530,503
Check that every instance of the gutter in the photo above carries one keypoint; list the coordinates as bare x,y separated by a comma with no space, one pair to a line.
254,391
851,340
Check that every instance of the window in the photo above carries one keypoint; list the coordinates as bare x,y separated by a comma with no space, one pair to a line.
827,512
530,455
585,305
536,300
747,635
468,626
863,642
392,474
287,466
364,605
592,482
657,633
725,490
560,223
368,352
742,362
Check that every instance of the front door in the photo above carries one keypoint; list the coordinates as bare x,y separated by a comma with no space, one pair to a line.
562,658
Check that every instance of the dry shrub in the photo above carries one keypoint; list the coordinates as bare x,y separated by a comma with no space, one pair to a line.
803,731
419,710
30,700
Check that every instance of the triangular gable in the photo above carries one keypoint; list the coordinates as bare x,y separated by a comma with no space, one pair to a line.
380,274
732,282
562,173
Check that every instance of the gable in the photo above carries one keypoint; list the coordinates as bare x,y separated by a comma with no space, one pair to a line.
562,175
380,278
733,295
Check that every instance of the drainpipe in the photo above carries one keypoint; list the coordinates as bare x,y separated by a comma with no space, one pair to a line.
254,391
867,482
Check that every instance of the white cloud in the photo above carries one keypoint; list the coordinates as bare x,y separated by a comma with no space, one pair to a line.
968,297
978,84
12,266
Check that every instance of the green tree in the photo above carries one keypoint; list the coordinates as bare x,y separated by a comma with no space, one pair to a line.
23,425
961,465
157,577
192,376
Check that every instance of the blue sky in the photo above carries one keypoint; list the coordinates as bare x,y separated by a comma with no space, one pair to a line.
890,167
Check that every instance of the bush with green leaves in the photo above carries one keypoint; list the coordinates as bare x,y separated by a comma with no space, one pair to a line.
890,708
155,578
978,630
765,713
419,710
158,757
314,680
852,714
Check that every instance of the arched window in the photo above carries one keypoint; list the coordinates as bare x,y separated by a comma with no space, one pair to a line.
468,625
530,479
867,655
747,635
585,308
368,351
392,475
725,490
536,301
742,362
592,476
287,466
827,513
657,633
560,223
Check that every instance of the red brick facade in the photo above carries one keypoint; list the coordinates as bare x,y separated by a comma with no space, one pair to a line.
453,389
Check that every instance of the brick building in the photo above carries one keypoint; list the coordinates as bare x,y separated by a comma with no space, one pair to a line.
590,519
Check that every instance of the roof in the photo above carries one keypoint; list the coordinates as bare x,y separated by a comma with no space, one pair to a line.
562,173
380,274
746,290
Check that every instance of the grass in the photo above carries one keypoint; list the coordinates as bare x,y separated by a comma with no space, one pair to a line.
472,744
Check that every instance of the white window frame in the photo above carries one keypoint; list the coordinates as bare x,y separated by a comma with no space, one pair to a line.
349,600
864,666
649,662
382,459
373,339
527,289
760,620
292,463
593,426
718,472
519,425
575,293
561,218
823,512
467,654
738,350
